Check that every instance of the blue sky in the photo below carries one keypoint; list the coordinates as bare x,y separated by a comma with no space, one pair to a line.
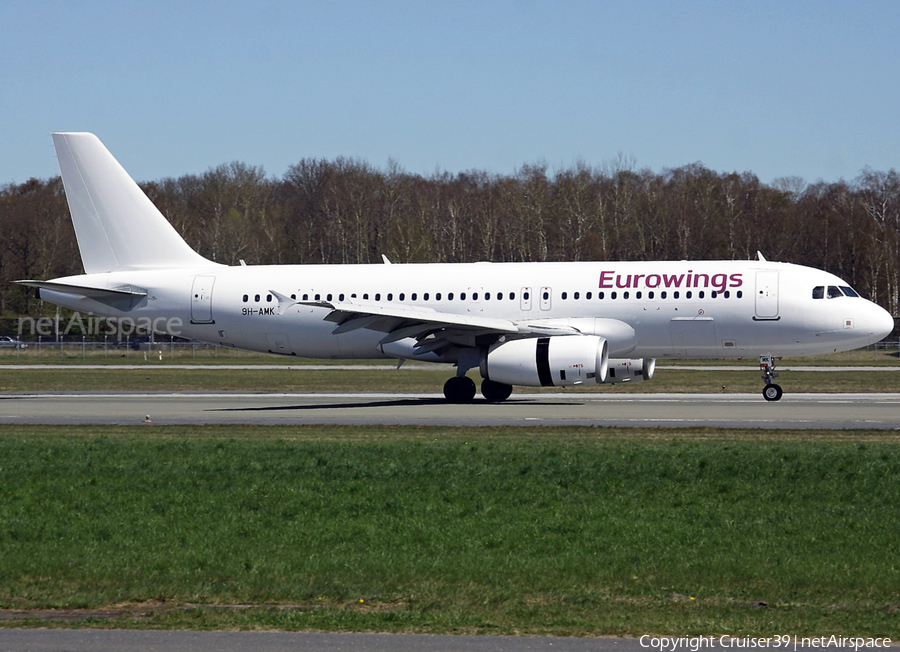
804,89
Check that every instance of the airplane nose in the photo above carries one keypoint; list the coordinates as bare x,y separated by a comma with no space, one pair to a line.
882,323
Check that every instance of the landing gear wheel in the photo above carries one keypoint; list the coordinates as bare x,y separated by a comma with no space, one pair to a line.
772,392
495,392
459,389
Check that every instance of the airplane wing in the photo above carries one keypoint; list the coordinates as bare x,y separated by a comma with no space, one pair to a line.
432,328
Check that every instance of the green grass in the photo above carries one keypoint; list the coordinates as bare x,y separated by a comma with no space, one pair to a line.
573,531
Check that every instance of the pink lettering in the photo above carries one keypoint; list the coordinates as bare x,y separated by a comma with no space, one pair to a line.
606,279
652,281
736,280
619,281
720,282
671,280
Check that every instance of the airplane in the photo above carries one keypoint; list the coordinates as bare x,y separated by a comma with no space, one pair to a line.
529,324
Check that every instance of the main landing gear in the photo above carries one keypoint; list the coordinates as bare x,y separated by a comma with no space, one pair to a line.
771,392
461,389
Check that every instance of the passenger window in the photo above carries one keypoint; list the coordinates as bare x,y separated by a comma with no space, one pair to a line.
437,297
702,294
425,296
256,298
378,296
662,295
487,296
547,295
269,298
462,296
512,296
713,294
834,293
625,294
727,294
449,296
601,295
612,295
402,296
563,295
576,295
526,296
340,297
413,297
819,292
638,294
675,294
651,294
474,296
366,296
740,293
246,298
306,297
688,294
390,296
588,296
294,297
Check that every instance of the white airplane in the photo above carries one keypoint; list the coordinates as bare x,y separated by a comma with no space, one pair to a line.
533,324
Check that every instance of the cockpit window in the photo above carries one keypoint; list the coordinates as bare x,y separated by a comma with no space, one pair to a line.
850,292
819,292
834,292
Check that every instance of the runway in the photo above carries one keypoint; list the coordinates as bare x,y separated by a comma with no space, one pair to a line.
794,411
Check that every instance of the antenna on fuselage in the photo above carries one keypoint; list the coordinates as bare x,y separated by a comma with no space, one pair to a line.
385,259
762,258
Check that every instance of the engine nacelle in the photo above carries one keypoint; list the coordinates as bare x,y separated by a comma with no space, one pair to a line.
630,371
559,361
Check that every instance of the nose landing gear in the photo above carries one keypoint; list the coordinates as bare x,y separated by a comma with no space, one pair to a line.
772,391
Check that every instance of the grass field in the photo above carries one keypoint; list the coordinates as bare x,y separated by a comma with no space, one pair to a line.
412,378
565,531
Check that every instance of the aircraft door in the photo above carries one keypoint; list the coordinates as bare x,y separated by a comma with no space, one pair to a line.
546,298
201,300
766,295
526,299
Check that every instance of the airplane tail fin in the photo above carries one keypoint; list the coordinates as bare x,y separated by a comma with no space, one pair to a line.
116,224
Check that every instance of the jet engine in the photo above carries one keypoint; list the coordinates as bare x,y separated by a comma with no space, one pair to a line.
560,361
630,371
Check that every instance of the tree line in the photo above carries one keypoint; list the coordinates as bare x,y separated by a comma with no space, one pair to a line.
347,211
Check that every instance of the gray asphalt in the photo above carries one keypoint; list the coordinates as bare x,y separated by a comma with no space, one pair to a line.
86,640
794,411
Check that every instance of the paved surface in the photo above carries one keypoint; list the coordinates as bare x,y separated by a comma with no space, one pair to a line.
86,640
796,411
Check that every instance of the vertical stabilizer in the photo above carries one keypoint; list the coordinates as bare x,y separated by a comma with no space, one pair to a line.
117,226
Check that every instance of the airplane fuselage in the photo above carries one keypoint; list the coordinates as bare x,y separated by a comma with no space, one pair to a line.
703,309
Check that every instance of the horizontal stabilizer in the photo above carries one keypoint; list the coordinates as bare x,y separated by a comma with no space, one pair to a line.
104,295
